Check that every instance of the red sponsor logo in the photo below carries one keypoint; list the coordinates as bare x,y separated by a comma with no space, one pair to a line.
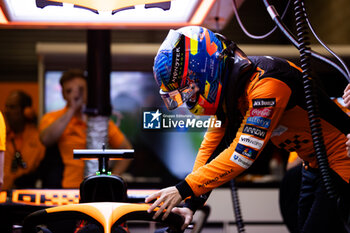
263,112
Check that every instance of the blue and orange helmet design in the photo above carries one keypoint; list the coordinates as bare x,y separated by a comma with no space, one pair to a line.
189,62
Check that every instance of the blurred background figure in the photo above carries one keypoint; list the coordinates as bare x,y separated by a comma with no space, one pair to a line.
346,97
2,148
24,151
66,128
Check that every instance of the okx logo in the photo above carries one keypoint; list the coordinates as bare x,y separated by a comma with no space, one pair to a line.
152,119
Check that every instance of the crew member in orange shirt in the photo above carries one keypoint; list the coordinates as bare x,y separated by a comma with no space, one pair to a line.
24,149
67,127
2,148
346,98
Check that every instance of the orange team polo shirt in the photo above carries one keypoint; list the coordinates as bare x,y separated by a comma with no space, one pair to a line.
74,137
31,149
2,133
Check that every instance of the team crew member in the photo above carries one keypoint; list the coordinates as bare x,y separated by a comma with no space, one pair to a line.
258,99
24,150
346,98
67,127
2,148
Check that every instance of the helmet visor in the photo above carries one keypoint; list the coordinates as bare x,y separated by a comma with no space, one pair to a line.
176,98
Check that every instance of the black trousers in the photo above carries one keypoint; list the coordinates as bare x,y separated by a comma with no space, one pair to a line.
317,213
289,196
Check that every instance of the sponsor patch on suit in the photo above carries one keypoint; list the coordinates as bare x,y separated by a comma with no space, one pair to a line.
262,112
255,131
246,151
259,121
251,141
241,160
264,102
279,130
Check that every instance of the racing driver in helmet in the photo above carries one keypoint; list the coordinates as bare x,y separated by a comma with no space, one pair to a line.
258,98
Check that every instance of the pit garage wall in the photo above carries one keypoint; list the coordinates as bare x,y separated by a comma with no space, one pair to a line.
140,57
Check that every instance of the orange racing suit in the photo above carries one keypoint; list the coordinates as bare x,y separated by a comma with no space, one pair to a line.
272,107
2,133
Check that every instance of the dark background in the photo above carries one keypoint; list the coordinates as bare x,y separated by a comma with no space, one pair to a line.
18,59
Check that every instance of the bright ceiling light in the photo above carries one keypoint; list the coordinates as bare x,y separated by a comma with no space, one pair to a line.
115,14
110,13
180,11
3,19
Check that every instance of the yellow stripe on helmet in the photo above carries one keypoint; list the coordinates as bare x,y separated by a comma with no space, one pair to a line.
194,46
206,90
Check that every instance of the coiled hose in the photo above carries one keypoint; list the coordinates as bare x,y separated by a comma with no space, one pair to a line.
277,19
311,98
237,207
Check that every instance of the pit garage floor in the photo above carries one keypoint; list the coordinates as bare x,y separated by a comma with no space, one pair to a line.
222,229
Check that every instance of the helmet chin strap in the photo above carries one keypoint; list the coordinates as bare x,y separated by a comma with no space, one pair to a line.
193,100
